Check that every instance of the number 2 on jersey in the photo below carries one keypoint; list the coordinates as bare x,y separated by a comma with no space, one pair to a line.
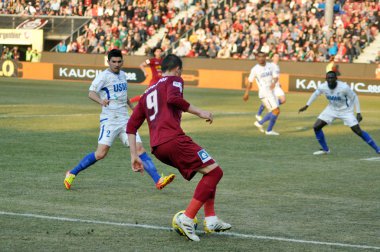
151,103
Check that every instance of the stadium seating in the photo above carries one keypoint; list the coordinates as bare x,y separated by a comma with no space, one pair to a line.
295,30
218,29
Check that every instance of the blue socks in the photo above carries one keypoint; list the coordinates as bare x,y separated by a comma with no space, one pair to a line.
84,163
90,159
261,109
272,121
149,167
368,139
266,118
321,139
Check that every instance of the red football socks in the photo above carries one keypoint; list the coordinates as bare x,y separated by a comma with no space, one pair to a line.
205,193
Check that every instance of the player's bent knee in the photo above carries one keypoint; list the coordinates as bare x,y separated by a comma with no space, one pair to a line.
318,125
100,155
101,151
317,128
218,172
276,111
357,130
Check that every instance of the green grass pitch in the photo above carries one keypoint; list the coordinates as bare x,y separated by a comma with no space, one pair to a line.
273,187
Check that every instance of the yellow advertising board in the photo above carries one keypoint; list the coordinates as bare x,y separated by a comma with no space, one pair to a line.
34,38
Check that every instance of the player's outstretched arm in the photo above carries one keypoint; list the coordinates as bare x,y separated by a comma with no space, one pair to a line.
137,165
201,113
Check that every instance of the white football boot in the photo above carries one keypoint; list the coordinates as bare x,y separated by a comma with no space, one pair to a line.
259,126
272,133
186,225
321,152
216,226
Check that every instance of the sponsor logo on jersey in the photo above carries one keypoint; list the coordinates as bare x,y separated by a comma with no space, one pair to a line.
333,98
120,87
265,74
204,156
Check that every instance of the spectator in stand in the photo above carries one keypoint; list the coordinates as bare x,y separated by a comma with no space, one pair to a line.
333,48
99,48
212,52
181,50
30,10
35,56
15,54
28,54
377,72
61,47
6,54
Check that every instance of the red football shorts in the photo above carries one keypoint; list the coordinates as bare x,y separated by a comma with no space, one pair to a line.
183,154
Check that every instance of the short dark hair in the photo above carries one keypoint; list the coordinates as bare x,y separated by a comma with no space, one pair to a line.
332,72
261,52
155,49
114,53
170,62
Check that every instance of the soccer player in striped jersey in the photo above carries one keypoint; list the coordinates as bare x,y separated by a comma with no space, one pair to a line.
109,89
342,101
266,78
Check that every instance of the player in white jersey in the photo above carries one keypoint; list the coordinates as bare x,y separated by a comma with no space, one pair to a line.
266,77
278,92
109,89
342,101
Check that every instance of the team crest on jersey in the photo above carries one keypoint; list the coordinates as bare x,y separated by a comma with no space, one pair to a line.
178,85
204,156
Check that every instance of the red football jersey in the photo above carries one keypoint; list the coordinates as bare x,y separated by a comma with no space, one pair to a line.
155,67
162,105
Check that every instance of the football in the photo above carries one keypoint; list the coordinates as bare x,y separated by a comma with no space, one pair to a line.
177,228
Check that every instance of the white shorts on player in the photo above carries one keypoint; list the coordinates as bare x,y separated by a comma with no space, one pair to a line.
347,116
270,101
110,129
278,91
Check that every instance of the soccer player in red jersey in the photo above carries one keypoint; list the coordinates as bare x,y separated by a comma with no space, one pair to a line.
162,105
155,68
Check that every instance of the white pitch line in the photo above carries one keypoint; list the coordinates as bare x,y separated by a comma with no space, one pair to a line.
247,236
50,115
371,159
66,115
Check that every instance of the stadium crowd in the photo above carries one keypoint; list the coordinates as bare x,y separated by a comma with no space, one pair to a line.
114,24
295,29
